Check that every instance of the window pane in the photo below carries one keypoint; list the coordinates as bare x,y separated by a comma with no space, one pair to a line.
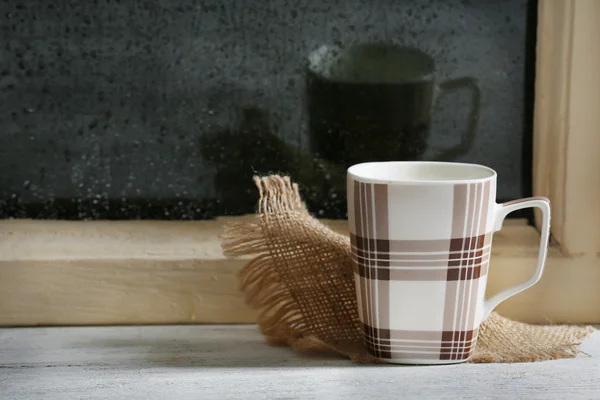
166,109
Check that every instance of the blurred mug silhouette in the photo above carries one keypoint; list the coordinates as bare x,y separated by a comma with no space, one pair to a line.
373,102
251,146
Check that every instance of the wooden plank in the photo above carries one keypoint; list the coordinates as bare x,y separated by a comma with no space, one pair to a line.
567,122
567,293
34,240
121,291
224,362
551,106
582,182
157,272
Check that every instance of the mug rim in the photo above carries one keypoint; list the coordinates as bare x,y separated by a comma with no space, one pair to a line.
372,172
315,58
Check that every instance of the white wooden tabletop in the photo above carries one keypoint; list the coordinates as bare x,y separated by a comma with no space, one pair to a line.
232,362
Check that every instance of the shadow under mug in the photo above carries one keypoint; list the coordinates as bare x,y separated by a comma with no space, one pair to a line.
373,102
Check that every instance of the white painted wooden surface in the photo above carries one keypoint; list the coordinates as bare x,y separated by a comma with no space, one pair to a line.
232,362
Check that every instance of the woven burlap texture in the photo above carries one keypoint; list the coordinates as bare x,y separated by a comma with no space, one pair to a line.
300,279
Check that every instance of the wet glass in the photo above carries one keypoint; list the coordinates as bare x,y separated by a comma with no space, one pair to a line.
166,110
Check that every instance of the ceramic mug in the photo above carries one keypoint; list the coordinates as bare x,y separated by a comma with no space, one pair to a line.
374,101
421,235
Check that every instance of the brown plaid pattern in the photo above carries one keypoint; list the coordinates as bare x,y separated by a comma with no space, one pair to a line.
384,265
452,266
390,344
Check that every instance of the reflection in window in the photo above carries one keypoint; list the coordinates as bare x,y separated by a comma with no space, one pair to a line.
166,110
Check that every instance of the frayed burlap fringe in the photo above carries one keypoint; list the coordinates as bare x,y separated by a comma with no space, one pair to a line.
300,279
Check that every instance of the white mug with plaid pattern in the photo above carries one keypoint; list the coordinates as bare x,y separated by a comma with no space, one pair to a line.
421,235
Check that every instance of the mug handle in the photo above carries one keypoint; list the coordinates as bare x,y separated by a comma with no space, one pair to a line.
501,211
466,141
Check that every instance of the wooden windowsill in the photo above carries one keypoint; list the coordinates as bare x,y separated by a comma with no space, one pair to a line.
162,272
233,362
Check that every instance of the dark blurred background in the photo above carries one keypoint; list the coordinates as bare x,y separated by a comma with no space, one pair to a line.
165,109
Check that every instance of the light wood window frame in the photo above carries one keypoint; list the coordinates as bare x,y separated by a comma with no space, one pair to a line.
150,272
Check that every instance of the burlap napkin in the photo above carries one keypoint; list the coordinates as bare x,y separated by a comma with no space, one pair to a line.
300,278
